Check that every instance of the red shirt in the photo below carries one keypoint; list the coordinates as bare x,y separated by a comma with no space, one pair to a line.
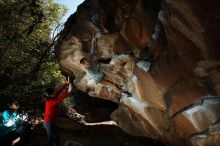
52,105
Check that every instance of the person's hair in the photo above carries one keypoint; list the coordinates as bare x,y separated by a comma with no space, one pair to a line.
49,91
82,61
12,101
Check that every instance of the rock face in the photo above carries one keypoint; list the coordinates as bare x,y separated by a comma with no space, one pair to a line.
163,56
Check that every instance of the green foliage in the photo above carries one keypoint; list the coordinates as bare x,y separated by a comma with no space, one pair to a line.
28,63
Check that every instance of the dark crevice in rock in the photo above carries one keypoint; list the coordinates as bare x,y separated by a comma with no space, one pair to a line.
94,109
105,61
183,110
205,132
154,5
198,103
209,85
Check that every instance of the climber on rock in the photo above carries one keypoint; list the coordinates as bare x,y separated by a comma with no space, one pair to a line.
14,125
53,98
93,69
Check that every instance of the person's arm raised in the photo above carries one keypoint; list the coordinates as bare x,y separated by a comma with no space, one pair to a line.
63,95
63,87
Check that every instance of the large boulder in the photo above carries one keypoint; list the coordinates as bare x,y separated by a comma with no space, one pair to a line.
164,57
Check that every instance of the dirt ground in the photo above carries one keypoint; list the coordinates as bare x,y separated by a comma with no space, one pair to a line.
96,135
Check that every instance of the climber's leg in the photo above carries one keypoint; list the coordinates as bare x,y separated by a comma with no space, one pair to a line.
50,132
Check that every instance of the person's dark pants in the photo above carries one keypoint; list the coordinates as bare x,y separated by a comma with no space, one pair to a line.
23,132
7,139
50,128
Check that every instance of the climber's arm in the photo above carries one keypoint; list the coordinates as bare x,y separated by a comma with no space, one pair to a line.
63,95
61,89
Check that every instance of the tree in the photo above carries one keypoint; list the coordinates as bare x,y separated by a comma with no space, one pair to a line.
27,60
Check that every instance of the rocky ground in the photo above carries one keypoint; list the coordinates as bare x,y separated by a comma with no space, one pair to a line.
90,135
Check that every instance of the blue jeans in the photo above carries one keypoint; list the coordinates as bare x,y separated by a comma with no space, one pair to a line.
50,128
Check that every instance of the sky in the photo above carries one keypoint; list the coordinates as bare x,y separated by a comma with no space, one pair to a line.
71,5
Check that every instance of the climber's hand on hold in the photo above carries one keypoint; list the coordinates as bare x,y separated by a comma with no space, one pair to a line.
68,80
70,87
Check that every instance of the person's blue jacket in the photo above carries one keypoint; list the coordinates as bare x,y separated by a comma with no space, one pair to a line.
8,122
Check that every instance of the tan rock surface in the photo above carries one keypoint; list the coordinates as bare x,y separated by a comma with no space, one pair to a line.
176,100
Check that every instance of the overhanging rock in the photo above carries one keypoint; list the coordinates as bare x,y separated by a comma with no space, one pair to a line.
179,39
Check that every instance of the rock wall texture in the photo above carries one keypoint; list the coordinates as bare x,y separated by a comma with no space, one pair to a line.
176,100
